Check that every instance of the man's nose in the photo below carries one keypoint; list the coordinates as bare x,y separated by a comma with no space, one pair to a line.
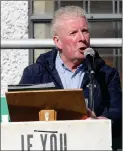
81,36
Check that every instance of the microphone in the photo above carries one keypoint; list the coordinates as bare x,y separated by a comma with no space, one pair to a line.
89,54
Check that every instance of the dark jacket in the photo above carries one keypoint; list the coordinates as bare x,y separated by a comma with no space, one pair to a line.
107,94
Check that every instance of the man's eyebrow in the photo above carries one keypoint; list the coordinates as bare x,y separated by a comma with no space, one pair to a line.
85,28
74,30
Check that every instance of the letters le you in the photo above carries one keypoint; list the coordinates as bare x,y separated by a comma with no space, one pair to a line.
57,141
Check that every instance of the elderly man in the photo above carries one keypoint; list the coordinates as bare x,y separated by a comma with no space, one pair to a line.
66,65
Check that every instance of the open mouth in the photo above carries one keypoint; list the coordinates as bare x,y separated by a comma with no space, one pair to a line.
82,49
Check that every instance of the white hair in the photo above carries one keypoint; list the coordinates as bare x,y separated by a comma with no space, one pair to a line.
65,13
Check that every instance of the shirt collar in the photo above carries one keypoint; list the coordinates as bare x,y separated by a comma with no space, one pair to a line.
63,65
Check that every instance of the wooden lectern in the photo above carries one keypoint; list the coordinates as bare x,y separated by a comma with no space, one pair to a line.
66,133
46,105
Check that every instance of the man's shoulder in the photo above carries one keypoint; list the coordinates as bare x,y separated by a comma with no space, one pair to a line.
102,66
110,72
107,68
33,68
41,61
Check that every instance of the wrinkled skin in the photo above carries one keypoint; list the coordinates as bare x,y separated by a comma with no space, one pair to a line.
72,39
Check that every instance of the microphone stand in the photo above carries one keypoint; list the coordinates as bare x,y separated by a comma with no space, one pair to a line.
91,73
91,89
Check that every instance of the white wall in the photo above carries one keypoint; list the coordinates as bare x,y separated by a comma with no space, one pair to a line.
14,25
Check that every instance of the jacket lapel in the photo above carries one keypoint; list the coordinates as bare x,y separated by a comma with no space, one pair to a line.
56,77
50,65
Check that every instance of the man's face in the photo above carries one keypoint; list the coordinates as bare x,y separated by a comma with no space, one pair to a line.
73,38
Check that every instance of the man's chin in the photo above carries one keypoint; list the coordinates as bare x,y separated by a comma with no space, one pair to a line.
79,60
81,56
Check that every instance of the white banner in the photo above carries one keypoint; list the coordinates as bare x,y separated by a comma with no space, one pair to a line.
56,135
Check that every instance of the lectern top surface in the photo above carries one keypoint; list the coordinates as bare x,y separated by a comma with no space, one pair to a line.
61,100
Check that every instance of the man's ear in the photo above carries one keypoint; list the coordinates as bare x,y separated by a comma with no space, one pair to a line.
57,42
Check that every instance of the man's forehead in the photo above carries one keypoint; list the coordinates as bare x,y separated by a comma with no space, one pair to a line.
72,22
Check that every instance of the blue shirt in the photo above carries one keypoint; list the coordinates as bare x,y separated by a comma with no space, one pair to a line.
70,79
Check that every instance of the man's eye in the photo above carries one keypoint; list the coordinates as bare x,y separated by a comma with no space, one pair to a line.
85,31
73,33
